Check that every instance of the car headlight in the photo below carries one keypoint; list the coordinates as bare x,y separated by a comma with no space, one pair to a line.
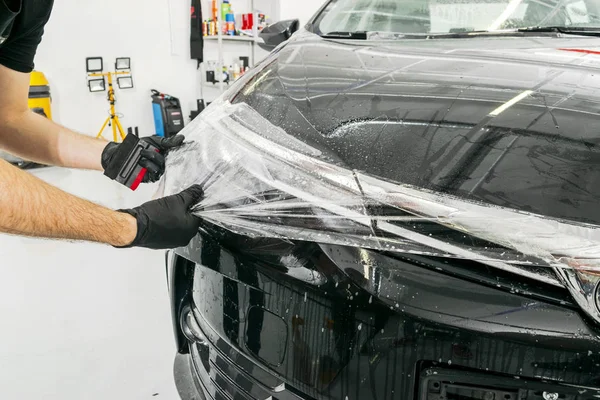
261,182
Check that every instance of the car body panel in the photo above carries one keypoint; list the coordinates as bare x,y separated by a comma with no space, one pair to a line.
510,121
340,339
420,112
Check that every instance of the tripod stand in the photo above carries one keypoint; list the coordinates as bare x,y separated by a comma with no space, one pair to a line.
113,119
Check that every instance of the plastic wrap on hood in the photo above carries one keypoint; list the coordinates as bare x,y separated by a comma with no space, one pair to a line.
261,182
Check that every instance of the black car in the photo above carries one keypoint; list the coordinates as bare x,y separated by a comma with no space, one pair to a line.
402,202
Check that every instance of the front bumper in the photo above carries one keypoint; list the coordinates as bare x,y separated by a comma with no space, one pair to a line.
214,370
186,379
268,332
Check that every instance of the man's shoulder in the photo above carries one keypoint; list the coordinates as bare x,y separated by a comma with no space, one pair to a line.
34,15
18,50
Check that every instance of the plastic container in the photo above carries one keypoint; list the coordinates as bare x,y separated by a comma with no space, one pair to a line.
39,94
225,74
225,9
230,19
215,10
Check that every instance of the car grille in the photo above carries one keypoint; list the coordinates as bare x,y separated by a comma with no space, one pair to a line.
222,372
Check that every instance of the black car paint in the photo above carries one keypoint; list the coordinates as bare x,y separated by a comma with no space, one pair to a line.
417,112
307,320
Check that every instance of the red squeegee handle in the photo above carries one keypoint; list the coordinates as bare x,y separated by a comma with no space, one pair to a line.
140,176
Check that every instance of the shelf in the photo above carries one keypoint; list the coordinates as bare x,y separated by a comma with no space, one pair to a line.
249,40
216,86
231,38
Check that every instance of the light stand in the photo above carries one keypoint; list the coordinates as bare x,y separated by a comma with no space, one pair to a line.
113,118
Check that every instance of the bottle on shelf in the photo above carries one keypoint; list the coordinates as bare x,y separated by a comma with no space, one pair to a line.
225,74
230,20
225,9
215,10
218,73
236,71
263,21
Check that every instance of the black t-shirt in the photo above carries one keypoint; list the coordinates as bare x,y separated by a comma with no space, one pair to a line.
21,28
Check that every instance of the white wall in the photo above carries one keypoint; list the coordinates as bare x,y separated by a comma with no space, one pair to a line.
303,10
154,33
140,29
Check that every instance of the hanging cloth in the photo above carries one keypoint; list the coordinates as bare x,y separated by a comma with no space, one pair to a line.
196,38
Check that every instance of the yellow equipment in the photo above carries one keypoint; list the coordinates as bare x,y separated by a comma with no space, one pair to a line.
39,94
113,119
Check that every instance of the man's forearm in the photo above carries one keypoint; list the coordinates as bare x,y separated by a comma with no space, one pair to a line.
29,206
38,139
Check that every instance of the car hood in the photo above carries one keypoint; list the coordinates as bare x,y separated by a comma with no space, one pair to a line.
510,121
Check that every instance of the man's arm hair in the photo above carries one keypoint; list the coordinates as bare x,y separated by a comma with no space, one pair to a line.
35,138
31,207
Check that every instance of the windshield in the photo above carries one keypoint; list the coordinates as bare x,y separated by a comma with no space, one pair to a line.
454,16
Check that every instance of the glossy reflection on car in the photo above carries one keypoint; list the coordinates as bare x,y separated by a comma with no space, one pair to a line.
417,95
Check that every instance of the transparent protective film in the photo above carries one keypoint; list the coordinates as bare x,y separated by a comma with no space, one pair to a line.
261,182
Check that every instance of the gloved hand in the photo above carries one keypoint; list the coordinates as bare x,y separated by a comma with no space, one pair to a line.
151,160
167,223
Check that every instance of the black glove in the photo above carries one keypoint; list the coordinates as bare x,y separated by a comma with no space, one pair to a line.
167,223
151,160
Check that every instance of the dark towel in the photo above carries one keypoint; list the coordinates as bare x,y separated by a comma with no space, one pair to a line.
196,39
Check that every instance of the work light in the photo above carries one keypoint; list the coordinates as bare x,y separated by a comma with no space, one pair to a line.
125,82
96,85
94,64
123,63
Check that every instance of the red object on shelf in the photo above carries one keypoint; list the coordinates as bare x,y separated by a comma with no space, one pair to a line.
247,21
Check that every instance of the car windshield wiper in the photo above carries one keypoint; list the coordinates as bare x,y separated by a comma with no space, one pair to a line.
583,31
360,35
363,35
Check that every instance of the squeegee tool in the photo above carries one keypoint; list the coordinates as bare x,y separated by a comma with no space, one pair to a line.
125,168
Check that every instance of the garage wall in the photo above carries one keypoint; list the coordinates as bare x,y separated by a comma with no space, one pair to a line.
140,29
303,10
156,40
